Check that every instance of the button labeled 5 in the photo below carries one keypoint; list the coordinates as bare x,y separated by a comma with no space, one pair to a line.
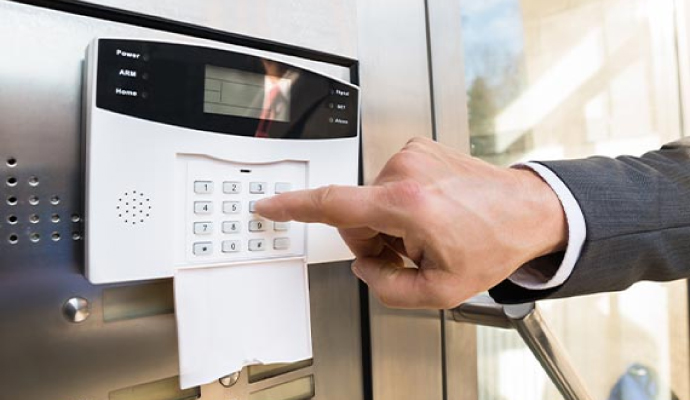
231,207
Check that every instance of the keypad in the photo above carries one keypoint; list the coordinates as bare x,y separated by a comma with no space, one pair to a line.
223,224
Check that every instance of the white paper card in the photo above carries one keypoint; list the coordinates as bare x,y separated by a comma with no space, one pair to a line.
241,314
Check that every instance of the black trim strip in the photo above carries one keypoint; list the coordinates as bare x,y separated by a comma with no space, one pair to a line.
183,28
430,66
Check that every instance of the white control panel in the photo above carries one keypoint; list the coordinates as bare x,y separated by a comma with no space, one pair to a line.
180,147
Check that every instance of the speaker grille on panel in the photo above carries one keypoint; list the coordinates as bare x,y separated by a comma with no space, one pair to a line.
134,207
28,212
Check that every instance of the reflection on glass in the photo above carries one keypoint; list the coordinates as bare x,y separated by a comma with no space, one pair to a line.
554,79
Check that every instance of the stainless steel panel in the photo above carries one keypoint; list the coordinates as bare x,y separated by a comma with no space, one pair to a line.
452,129
406,347
328,26
42,353
447,63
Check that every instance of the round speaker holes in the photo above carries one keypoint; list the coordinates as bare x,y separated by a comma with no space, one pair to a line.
35,237
76,218
33,181
55,218
12,220
55,237
76,236
33,200
12,201
13,239
34,218
55,200
11,181
133,207
11,162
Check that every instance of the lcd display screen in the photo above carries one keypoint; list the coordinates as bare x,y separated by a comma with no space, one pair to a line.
246,94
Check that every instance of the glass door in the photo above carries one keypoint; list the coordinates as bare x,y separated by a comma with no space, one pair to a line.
554,79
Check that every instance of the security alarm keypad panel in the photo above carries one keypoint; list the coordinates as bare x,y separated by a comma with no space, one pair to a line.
182,140
222,223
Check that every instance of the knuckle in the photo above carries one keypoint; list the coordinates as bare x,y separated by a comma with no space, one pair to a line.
418,140
407,193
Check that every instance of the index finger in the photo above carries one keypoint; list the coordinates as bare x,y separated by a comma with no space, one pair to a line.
340,206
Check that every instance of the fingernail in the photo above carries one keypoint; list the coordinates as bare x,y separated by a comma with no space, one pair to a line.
356,271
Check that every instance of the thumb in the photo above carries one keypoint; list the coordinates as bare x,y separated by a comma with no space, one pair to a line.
389,279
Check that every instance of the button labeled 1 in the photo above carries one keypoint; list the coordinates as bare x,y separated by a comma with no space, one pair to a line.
203,187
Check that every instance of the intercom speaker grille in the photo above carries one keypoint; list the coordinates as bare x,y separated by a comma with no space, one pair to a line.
134,207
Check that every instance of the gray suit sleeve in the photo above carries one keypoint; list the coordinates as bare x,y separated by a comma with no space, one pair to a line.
637,212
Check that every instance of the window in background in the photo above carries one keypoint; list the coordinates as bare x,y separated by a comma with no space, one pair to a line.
554,79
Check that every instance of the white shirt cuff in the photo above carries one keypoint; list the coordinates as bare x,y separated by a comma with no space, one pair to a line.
527,277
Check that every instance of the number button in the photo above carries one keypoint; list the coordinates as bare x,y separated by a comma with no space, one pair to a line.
231,246
282,187
231,207
203,228
231,227
281,243
232,187
257,245
203,207
203,187
203,249
252,207
257,188
257,226
281,226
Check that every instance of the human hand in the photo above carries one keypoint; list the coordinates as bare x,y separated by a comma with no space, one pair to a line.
466,225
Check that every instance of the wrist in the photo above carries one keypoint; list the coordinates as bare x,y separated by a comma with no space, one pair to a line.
548,225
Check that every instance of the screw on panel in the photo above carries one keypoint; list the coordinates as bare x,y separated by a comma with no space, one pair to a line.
230,380
76,310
